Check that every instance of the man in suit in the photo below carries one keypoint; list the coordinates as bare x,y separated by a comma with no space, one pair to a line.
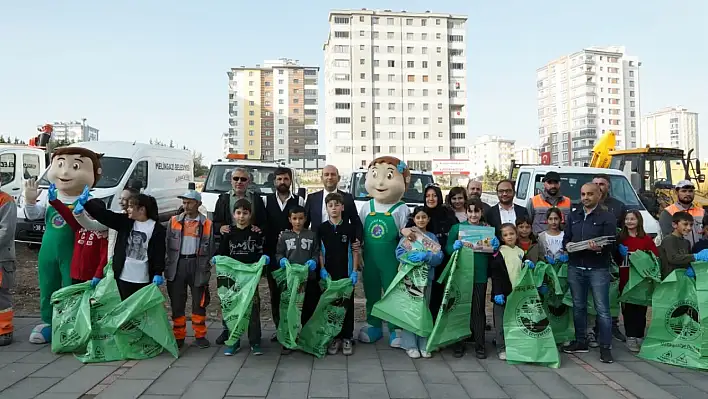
505,211
316,210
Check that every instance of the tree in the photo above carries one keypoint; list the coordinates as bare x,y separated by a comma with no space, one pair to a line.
199,168
54,144
2,140
17,141
491,178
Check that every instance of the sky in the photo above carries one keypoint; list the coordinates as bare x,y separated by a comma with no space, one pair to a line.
157,69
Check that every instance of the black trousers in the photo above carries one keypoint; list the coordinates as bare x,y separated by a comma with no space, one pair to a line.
77,281
437,290
313,292
635,320
478,321
126,289
347,331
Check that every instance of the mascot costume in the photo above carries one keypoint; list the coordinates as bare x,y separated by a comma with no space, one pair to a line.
384,216
71,169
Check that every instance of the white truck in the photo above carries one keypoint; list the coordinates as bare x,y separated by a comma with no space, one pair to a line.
414,195
19,163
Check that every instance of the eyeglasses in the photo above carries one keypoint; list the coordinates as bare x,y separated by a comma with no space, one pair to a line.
507,191
239,179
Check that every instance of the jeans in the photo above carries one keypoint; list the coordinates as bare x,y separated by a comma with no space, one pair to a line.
411,341
581,280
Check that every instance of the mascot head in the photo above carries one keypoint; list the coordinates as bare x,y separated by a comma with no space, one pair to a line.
387,179
72,168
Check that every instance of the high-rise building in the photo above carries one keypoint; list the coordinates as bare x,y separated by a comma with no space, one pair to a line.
395,84
526,155
73,131
273,113
672,127
583,95
491,152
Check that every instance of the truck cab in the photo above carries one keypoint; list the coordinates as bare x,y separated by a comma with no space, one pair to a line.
414,195
17,164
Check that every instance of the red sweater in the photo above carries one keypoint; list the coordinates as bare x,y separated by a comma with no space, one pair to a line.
636,244
90,247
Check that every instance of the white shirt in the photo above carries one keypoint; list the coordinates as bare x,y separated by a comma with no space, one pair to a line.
325,193
461,216
400,214
507,216
554,244
282,204
136,253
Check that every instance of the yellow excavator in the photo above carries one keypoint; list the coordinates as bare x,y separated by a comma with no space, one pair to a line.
653,171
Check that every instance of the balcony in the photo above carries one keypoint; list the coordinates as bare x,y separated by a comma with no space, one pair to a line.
589,61
582,146
585,134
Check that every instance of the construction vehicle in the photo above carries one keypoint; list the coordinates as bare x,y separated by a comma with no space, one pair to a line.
653,171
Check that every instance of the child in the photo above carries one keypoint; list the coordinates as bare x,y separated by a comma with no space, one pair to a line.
336,236
527,240
139,256
550,242
505,267
245,245
675,250
703,242
633,238
475,208
413,344
299,245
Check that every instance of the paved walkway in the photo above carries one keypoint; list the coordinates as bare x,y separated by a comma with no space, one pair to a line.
374,371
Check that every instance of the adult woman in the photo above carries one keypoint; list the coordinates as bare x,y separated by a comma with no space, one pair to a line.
456,200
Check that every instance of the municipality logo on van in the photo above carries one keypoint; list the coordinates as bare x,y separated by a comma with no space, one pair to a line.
171,166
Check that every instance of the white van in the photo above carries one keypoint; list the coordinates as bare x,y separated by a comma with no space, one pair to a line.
163,173
17,164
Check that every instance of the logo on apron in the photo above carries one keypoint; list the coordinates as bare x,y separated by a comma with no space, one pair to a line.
57,221
377,229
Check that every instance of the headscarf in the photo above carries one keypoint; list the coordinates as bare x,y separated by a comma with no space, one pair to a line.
442,218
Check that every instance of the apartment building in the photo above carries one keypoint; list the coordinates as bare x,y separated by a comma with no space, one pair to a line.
583,95
73,131
527,155
672,127
491,152
273,113
395,84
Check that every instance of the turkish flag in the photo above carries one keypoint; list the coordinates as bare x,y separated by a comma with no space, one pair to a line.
545,158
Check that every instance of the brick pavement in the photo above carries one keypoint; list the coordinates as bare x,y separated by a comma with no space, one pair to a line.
374,371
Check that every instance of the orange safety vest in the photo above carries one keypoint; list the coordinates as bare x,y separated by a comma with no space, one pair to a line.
540,209
697,213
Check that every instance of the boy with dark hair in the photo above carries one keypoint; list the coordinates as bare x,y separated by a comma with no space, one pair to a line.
675,250
300,245
337,260
245,245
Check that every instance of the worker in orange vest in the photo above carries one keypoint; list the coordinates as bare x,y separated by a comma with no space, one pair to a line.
685,194
551,197
8,220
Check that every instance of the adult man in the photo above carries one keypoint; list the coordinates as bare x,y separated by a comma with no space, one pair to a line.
8,221
551,197
224,208
613,205
505,211
589,269
190,246
316,209
474,191
277,206
685,195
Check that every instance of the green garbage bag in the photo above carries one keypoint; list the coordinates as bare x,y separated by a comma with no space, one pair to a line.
71,318
527,329
559,314
237,284
677,330
404,303
291,282
701,271
453,321
644,275
327,320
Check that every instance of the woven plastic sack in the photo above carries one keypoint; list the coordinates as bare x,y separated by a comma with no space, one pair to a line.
236,294
71,318
327,320
291,282
644,275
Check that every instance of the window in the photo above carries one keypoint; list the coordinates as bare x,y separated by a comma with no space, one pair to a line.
409,50
251,113
457,65
362,61
363,148
391,92
251,103
439,64
411,106
140,174
440,92
426,135
376,35
424,50
376,77
392,148
363,119
440,120
361,33
392,120
345,92
423,36
392,135
391,77
341,20
409,21
251,123
425,107
340,48
425,64
342,106
411,120
631,94
411,135
440,135
411,92
375,20
452,38
631,74
361,47
389,49
439,78
423,22
391,106
389,35
341,34
363,133
425,92
438,36
389,21
362,76
410,64
426,121
7,167
377,120
425,78
409,36
376,62
391,63
411,78
438,50
342,120
362,105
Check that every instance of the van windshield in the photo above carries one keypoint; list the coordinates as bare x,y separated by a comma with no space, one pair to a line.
113,170
572,182
414,194
219,178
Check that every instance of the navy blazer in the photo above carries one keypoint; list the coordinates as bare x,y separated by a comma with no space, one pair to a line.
313,212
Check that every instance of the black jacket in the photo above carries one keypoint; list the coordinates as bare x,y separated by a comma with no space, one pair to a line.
616,208
224,216
124,225
598,223
501,284
313,212
493,218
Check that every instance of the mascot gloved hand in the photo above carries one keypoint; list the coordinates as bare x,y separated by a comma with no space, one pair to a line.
383,217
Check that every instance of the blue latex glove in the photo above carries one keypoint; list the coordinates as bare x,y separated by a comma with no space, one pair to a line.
702,256
563,258
267,259
543,289
354,277
212,261
323,274
623,250
495,244
550,260
690,272
311,264
52,192
95,281
417,256
499,299
529,264
158,280
283,262
457,245
83,198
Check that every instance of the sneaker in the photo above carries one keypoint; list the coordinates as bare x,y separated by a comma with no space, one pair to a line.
347,347
334,346
222,338
285,351
256,350
479,352
426,354
502,355
459,350
575,347
180,343
233,349
274,337
202,343
413,353
632,344
592,341
617,334
394,338
606,355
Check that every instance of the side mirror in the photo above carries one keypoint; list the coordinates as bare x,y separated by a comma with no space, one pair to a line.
635,180
302,192
701,178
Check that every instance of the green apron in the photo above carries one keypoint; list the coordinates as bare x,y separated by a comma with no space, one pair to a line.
54,262
380,263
